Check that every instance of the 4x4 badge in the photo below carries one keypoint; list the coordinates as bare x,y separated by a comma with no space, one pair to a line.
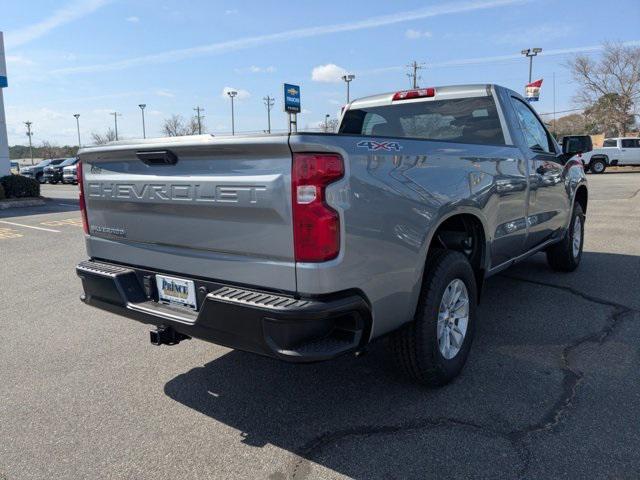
377,146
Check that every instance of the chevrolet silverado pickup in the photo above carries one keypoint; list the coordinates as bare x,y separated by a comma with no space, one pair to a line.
620,152
306,246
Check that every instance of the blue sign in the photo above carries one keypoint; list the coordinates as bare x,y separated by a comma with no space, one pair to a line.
292,98
3,82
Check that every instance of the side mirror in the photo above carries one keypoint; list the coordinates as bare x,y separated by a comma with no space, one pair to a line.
575,144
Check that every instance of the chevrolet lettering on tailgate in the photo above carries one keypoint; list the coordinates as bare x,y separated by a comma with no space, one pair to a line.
178,192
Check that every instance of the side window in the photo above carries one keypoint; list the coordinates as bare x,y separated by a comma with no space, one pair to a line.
534,132
609,143
629,143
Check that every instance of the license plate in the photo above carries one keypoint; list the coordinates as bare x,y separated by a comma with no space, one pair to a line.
176,290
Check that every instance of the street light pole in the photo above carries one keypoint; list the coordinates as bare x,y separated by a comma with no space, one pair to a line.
115,121
29,134
348,78
77,116
269,102
144,130
326,123
232,94
530,53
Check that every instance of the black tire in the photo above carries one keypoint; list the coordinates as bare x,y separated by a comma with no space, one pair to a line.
561,256
415,346
597,166
40,178
53,182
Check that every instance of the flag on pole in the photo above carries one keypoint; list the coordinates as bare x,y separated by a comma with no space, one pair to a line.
532,91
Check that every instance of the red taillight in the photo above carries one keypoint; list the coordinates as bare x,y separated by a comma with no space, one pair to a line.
316,226
419,93
83,206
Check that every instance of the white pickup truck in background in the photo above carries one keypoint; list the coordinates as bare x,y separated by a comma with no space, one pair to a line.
622,152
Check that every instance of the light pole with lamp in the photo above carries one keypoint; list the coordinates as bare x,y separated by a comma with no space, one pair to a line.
144,130
348,78
530,53
232,94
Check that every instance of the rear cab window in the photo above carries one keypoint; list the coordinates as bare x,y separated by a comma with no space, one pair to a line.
461,120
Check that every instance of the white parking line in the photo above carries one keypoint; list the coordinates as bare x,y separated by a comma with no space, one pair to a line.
29,226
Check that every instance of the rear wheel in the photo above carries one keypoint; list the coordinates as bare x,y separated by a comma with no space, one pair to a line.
433,347
598,166
565,256
40,178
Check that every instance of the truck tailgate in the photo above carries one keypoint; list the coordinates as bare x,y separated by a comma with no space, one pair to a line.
202,206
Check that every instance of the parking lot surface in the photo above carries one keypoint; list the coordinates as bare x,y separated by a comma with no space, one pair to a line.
551,389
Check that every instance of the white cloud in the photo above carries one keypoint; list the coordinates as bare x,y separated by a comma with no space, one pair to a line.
496,58
269,69
329,73
417,34
161,92
132,19
538,33
242,94
288,35
231,11
73,11
333,101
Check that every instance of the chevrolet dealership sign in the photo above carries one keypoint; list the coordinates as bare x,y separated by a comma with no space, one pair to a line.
4,144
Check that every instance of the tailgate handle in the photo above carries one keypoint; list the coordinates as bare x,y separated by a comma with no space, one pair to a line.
158,157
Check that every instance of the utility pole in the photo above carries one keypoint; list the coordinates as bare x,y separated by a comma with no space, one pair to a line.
326,123
269,102
115,121
144,130
77,116
199,117
413,75
530,53
232,94
30,134
348,78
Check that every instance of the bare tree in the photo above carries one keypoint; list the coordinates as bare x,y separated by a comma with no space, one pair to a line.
49,150
101,139
612,84
330,126
573,124
176,126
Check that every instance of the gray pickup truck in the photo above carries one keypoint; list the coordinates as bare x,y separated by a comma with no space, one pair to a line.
306,246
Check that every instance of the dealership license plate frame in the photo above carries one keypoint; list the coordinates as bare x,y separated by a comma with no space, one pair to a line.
189,302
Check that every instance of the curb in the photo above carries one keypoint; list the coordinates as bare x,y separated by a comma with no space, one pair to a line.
20,202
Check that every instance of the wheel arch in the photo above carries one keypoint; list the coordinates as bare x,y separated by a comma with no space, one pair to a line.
468,221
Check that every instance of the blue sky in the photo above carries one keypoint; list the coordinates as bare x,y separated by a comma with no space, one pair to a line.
98,56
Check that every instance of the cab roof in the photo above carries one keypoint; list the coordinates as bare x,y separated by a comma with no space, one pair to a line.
442,92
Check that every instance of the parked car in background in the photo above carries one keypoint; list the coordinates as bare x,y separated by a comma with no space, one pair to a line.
15,167
69,174
54,173
37,171
306,246
621,152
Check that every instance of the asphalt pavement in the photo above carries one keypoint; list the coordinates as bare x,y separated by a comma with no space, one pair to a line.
551,389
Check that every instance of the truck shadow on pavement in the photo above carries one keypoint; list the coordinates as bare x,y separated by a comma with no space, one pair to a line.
357,417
